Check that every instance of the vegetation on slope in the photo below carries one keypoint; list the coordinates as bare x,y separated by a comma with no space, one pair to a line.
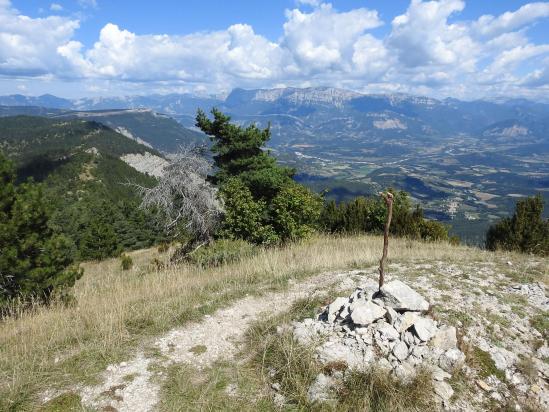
83,179
526,231
160,131
33,259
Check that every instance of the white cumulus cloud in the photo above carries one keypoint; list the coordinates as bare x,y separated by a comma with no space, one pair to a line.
29,46
325,38
489,25
236,53
428,49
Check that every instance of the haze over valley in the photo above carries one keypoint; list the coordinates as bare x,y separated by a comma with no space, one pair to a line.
465,162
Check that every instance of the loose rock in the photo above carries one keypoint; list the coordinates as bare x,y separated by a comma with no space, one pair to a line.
451,359
359,332
320,390
445,338
406,321
335,308
400,350
425,328
443,389
365,312
401,297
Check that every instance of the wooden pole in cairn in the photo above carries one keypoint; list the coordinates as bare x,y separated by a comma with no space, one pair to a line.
388,197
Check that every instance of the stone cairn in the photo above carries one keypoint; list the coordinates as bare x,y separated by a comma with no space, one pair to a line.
386,329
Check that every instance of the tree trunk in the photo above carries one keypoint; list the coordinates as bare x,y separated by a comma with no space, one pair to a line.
388,197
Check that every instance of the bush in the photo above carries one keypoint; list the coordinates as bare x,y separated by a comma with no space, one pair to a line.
368,215
295,212
431,230
222,252
245,218
157,264
126,262
33,260
526,231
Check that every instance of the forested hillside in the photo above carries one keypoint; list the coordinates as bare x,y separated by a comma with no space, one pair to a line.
143,125
78,164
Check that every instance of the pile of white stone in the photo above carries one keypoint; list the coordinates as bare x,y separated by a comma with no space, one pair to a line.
387,329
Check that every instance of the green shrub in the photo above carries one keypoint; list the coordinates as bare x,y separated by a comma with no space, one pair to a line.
526,231
431,230
222,252
369,214
245,218
295,212
126,262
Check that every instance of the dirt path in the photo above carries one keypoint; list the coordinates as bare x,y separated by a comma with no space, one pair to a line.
131,386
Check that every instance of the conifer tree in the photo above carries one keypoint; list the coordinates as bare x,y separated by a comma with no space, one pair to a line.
239,152
277,208
526,231
33,260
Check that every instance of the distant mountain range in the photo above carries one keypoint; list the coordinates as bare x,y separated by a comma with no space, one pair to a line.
325,113
466,161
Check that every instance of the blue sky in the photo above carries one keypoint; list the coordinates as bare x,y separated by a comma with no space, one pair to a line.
465,49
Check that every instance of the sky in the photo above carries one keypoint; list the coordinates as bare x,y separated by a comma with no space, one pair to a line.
469,50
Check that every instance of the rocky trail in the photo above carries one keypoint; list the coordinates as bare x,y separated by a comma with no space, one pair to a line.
132,386
485,319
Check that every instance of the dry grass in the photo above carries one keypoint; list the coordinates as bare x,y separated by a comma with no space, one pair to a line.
117,310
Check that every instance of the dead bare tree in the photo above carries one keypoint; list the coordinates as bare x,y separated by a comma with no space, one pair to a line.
184,199
388,198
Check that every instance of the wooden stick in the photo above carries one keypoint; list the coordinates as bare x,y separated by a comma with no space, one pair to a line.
388,197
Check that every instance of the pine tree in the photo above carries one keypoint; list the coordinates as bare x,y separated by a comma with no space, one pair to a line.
33,260
276,202
238,152
526,231
99,239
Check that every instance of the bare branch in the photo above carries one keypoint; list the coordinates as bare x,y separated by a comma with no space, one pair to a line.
183,197
388,197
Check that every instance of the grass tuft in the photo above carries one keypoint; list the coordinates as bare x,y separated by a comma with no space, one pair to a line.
483,363
67,402
378,390
198,349
540,322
